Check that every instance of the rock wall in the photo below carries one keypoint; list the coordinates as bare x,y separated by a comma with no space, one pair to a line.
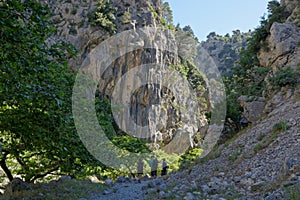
73,21
283,47
283,42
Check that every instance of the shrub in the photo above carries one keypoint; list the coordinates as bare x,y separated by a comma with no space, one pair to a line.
103,16
280,127
284,77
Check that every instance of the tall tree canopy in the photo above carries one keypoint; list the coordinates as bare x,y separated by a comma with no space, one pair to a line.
37,133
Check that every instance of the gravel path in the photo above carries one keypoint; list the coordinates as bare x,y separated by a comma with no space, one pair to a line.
124,191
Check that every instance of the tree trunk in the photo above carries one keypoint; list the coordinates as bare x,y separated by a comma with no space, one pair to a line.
5,168
130,171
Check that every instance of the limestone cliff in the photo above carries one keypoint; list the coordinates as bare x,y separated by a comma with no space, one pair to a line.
77,23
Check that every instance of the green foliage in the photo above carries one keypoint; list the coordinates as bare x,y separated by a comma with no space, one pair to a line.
126,17
167,16
280,127
74,11
131,144
38,136
284,77
233,110
292,192
154,12
234,155
260,137
196,79
258,147
103,16
189,157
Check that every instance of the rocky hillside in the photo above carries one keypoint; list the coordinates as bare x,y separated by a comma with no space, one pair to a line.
225,49
263,162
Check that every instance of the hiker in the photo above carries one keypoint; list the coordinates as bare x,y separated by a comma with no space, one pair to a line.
153,165
165,166
140,168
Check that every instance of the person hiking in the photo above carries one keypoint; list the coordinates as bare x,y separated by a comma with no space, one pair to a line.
165,167
140,168
153,165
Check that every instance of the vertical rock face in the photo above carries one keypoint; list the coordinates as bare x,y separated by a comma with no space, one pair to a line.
75,21
154,105
133,14
283,44
290,5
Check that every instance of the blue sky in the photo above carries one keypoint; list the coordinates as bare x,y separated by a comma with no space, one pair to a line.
220,16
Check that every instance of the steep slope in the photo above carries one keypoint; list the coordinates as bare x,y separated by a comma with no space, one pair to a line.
263,158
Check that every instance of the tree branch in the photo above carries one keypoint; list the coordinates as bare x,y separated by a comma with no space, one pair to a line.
4,166
44,174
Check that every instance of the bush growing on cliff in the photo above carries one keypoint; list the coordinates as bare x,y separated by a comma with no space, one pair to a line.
103,16
284,77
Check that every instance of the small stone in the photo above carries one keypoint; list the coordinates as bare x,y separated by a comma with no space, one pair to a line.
108,182
64,178
271,197
145,178
257,186
162,194
151,184
189,196
205,188
106,192
221,174
162,187
144,187
121,179
158,181
183,187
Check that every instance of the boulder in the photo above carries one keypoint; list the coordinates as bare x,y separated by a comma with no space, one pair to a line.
64,178
108,182
253,107
16,185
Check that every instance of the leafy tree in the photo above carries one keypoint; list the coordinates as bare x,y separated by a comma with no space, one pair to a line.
37,133
104,16
211,35
167,16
